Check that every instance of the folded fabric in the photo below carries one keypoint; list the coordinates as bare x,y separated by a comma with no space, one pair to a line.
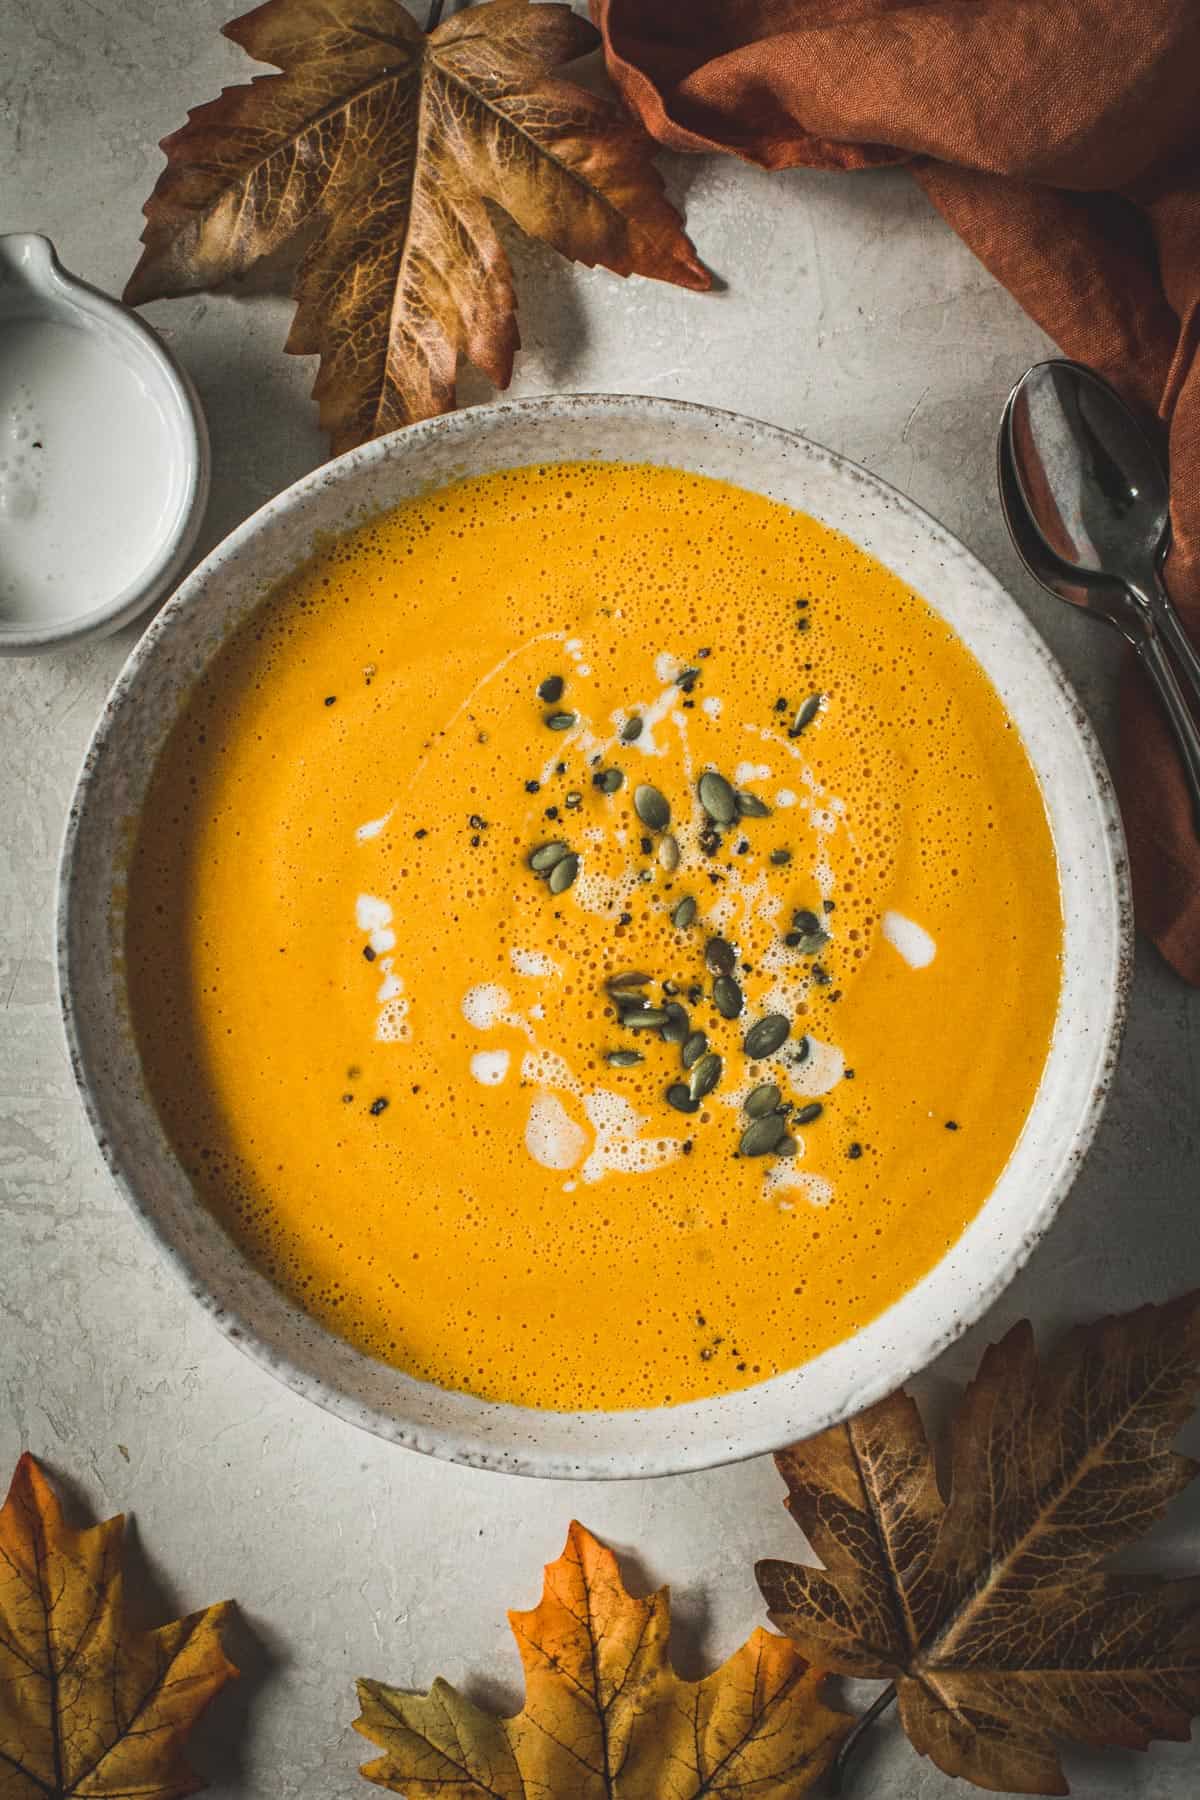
1062,143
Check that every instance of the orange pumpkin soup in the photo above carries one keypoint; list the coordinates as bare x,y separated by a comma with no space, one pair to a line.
594,937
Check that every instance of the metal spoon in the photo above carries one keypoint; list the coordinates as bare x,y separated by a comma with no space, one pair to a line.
1085,500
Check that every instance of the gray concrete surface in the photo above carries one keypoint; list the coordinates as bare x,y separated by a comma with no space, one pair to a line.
847,310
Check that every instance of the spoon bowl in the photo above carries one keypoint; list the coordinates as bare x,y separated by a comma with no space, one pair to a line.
1097,594
1092,482
1088,507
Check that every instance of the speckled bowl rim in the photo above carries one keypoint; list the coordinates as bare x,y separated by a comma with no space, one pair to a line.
590,1445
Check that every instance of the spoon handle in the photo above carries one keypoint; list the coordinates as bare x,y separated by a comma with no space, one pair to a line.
1175,632
1158,667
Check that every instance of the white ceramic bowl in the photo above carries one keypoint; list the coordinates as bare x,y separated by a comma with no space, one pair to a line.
1096,907
34,286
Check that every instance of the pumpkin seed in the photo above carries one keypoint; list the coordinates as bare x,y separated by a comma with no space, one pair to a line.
649,1018
686,678
717,797
560,721
678,1025
611,781
668,853
751,807
727,997
632,978
807,1114
806,921
693,1049
720,956
764,1038
543,859
761,1100
678,1096
805,715
684,913
563,873
651,807
573,799
786,1147
779,857
631,730
821,976
803,1050
705,1075
551,690
623,1059
761,1136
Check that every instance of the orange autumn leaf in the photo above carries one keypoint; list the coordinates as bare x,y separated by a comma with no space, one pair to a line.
605,1716
387,146
90,1707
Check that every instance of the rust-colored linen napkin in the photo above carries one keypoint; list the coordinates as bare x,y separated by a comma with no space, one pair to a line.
1061,140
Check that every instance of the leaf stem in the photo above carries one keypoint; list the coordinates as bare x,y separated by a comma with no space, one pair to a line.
837,1773
435,15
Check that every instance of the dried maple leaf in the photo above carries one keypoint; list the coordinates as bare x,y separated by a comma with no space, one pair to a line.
90,1707
605,1715
989,1610
388,144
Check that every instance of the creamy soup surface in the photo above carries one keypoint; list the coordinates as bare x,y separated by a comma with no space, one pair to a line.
693,1097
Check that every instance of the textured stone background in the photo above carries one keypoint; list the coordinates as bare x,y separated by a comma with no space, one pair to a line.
844,309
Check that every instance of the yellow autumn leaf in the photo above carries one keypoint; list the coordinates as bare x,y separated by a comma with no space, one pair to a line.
605,1715
90,1707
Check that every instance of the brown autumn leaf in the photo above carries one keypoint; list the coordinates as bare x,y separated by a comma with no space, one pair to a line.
605,1715
989,1610
90,1707
388,145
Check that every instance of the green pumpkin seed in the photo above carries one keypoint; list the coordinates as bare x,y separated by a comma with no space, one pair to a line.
623,1059
684,913
631,730
720,956
651,807
807,1114
650,1018
563,873
678,1096
751,807
705,1075
806,921
560,721
543,859
678,1026
717,798
632,978
762,1136
764,1038
761,1100
786,1147
693,1049
809,946
803,1050
626,1004
611,782
668,853
551,690
781,858
807,712
727,997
